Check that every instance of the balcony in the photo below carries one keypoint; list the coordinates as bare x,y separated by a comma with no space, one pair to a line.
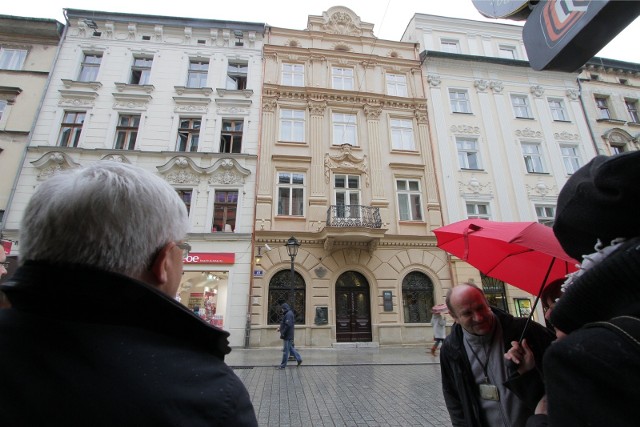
353,224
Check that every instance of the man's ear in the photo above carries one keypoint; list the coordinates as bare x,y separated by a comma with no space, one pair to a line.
158,274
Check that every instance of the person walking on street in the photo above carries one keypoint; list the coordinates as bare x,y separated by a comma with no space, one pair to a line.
286,330
439,324
101,258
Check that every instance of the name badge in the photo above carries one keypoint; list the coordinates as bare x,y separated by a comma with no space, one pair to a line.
489,392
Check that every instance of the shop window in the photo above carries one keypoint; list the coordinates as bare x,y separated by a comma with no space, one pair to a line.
417,298
280,292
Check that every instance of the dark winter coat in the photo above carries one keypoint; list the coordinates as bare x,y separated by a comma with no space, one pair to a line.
81,346
288,323
461,393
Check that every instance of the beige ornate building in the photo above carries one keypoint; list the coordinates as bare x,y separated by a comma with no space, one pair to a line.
28,48
610,95
506,137
346,168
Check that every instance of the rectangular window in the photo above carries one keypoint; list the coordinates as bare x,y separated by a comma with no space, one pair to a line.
409,205
291,193
532,158
459,101
450,45
558,112
402,134
292,125
71,128
237,75
127,132
12,59
617,149
3,107
90,67
570,159
632,108
344,129
185,195
603,108
478,210
188,135
507,52
342,78
197,74
231,136
521,108
347,194
468,156
293,74
545,214
141,71
224,211
396,85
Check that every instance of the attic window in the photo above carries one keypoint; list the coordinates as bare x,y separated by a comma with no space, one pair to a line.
146,37
97,34
593,76
624,81
202,41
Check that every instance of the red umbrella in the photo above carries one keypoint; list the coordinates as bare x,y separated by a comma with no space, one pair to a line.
523,254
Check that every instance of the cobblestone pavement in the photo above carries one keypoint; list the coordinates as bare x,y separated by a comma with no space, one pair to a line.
344,388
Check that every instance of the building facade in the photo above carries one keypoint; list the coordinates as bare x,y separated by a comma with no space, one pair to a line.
28,48
346,169
506,137
179,97
610,92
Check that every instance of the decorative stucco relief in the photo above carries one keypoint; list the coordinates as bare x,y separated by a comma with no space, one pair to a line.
341,22
52,163
466,129
434,80
347,162
474,186
541,188
528,133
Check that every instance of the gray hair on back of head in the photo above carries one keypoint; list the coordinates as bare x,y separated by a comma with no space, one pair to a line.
109,215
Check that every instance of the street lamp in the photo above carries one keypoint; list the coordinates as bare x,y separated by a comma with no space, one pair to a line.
292,250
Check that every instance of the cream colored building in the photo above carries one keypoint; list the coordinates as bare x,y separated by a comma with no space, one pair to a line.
179,97
28,49
346,168
506,137
610,95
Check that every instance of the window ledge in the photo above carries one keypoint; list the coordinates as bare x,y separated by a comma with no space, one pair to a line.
74,84
399,151
289,217
463,112
562,121
247,93
129,87
471,170
538,173
293,143
181,90
616,121
634,124
525,118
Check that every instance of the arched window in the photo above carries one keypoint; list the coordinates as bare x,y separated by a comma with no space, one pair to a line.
417,298
280,292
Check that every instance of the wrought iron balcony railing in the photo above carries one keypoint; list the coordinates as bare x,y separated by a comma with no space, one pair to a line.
353,216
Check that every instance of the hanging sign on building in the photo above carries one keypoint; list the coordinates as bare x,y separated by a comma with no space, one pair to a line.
210,258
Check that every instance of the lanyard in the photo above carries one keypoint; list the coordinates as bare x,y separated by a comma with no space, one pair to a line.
485,365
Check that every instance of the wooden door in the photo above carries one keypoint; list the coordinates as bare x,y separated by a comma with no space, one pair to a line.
353,308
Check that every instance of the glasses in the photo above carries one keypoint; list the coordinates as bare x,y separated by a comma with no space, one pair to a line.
5,264
186,248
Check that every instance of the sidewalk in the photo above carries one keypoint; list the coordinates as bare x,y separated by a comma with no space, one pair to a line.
339,356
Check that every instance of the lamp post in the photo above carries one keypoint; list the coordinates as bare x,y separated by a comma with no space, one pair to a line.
292,250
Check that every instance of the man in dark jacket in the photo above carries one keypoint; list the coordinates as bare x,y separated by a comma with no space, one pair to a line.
475,380
286,329
94,335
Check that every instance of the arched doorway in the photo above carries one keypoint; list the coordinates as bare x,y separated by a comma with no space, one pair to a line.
353,308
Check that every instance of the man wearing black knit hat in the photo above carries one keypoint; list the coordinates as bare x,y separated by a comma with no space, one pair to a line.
592,373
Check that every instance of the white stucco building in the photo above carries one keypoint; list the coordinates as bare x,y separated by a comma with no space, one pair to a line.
179,97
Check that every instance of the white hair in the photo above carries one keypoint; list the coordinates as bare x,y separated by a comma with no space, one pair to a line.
109,215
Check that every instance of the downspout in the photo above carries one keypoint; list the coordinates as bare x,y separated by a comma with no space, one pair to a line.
247,331
586,118
33,124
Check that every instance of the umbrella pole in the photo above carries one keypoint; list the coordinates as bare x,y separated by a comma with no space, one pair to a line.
535,304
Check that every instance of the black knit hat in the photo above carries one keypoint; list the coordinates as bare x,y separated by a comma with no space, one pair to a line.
609,289
601,200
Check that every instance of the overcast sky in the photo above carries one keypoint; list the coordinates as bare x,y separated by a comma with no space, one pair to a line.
390,17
